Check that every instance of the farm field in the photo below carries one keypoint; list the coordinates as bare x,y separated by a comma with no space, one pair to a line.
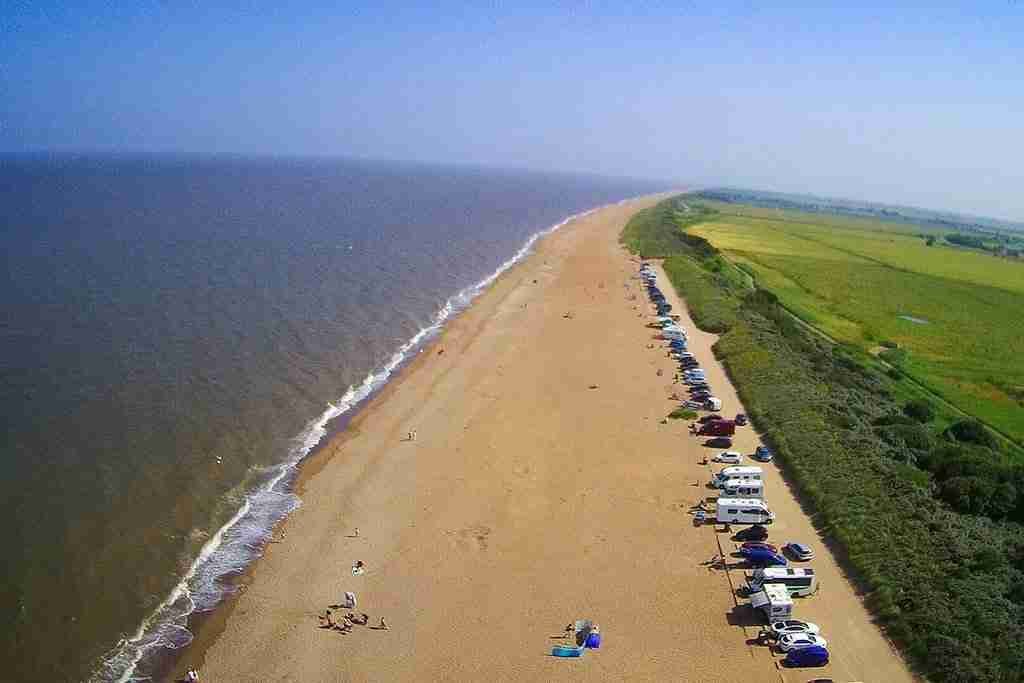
956,315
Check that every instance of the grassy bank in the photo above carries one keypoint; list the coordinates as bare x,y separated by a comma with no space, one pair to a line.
887,473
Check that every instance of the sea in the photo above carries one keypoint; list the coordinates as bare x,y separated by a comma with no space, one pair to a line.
177,334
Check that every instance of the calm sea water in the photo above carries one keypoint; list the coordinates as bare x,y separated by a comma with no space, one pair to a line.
174,335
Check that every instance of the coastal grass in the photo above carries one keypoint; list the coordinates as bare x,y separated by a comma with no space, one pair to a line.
957,316
920,505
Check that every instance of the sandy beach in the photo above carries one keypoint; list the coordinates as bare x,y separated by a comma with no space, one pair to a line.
542,487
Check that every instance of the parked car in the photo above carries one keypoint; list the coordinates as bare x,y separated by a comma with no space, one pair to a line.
799,551
717,428
808,656
788,626
759,544
754,533
728,457
719,442
709,418
741,419
799,641
763,454
759,557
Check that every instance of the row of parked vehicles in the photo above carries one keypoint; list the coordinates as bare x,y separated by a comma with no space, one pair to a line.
772,584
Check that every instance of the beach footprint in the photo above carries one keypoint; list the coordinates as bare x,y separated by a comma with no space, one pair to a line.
471,537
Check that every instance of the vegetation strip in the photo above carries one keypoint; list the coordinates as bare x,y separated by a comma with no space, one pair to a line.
923,509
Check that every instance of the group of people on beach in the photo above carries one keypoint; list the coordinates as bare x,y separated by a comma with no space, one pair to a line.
345,624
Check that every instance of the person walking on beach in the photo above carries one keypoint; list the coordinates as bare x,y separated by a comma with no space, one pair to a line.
350,600
383,625
413,434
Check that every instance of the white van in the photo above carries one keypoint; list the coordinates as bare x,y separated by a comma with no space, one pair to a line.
737,488
774,601
745,473
743,511
799,582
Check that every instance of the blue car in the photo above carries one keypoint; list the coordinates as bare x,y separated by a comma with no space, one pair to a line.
763,454
808,656
762,557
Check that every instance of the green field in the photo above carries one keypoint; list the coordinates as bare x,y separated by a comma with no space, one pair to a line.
961,333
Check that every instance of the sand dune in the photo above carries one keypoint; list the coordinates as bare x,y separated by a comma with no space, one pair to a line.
542,488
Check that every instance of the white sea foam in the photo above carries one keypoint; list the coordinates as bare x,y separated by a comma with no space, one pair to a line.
262,509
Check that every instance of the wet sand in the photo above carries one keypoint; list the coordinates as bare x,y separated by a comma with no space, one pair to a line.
542,488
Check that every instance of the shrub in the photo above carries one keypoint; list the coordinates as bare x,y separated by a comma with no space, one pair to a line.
919,409
682,414
894,356
915,436
892,419
971,431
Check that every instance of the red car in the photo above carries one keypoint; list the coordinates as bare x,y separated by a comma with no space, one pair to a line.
750,545
718,428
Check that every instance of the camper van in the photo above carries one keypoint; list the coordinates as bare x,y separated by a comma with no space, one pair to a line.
747,474
799,582
738,488
774,601
743,511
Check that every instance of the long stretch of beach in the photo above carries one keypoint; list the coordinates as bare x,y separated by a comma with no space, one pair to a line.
542,487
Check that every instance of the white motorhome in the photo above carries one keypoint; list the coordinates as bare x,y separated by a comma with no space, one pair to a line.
743,511
798,582
745,473
738,488
774,601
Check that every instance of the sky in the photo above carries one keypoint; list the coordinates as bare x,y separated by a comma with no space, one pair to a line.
919,105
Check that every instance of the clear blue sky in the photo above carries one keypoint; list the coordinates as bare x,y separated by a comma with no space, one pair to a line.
920,105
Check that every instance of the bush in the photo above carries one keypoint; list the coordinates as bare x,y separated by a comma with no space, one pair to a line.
682,414
915,436
893,419
919,409
895,356
971,431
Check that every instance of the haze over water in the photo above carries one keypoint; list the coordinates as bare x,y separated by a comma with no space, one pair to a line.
171,333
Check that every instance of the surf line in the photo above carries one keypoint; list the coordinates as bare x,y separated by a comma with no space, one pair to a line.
166,620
